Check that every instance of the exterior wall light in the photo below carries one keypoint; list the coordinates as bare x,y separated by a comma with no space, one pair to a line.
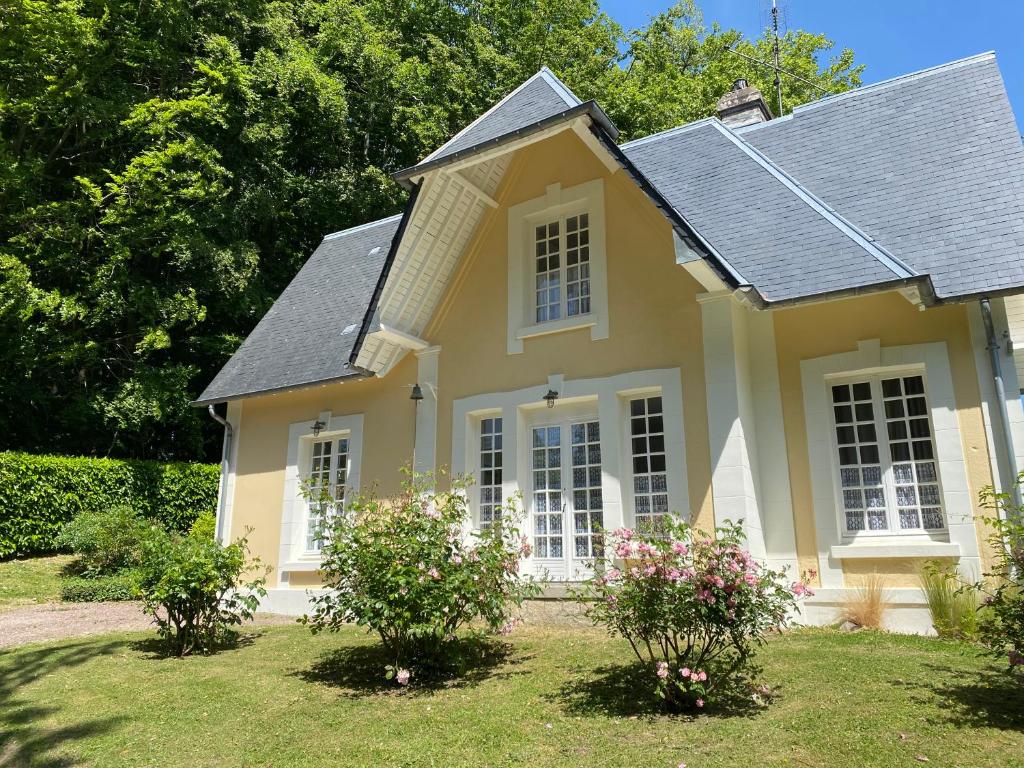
550,397
316,427
417,393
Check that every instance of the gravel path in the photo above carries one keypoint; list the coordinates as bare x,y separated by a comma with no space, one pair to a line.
55,621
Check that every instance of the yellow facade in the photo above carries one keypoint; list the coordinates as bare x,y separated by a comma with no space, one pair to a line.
655,322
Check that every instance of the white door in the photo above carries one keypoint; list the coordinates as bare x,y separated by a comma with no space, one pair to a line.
566,502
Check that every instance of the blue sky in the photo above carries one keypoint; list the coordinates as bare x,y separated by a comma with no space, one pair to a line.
892,37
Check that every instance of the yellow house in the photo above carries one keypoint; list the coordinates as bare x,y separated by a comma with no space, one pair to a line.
798,324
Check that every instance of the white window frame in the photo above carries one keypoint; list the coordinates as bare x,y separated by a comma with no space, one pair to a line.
476,468
629,487
960,538
294,555
556,204
333,439
885,457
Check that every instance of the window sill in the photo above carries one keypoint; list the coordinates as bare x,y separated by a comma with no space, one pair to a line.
557,326
307,564
909,549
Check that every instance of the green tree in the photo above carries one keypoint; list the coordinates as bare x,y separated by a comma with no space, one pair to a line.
165,168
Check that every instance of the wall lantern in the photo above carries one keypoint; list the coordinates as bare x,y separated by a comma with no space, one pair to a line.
316,427
550,397
417,393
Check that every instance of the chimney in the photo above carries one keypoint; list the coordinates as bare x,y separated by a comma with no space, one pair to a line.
743,105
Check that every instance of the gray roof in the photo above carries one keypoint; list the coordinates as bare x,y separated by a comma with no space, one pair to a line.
308,334
930,165
919,178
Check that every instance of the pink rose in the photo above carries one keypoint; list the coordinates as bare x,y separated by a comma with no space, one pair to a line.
699,703
434,574
662,669
402,676
702,675
624,549
685,671
679,548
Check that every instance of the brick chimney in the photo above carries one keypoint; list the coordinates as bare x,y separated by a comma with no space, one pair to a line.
743,105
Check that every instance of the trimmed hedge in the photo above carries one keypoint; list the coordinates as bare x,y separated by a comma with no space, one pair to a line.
99,589
39,494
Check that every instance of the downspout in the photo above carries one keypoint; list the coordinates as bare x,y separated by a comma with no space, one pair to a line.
225,459
993,347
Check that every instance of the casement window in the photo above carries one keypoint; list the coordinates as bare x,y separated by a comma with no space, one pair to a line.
650,477
557,277
562,268
328,484
489,502
887,471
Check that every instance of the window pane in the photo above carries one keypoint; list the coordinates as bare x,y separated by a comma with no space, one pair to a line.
490,495
650,483
856,443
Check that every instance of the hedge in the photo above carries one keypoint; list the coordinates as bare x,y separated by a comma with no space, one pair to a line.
39,494
119,586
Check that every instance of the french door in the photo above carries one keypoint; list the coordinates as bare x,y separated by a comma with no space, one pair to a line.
566,500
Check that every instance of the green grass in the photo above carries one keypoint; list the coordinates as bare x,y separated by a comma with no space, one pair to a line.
35,580
552,697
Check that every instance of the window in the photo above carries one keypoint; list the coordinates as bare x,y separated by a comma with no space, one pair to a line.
328,481
587,502
888,474
650,478
547,492
569,236
557,277
490,471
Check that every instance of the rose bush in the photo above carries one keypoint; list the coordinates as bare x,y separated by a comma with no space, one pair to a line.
409,570
1001,618
692,606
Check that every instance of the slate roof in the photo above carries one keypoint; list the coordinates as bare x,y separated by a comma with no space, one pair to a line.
916,179
309,332
930,165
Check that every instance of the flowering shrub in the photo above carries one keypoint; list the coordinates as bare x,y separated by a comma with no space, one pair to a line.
1001,619
691,606
406,570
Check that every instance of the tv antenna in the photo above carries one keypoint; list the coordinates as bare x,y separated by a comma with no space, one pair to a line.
775,48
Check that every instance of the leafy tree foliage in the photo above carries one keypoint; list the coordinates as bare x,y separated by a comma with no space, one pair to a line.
166,165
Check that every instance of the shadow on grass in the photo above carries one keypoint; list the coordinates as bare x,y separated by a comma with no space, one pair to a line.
627,690
23,740
155,647
992,698
358,670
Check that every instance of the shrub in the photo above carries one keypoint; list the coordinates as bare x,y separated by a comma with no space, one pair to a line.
1002,620
953,607
39,495
96,589
195,591
407,571
692,607
105,541
204,526
867,604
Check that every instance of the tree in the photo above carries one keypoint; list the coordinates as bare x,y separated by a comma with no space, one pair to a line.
165,168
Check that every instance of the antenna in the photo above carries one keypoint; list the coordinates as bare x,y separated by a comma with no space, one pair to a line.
775,45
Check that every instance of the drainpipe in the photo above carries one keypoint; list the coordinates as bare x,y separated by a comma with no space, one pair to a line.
994,350
225,458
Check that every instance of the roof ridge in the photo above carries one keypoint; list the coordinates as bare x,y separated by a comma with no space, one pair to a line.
890,262
544,74
359,227
898,79
668,132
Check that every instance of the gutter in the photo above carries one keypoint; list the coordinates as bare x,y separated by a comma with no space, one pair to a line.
994,348
225,466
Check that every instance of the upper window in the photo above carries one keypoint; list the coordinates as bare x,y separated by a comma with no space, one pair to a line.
328,482
888,475
562,251
556,262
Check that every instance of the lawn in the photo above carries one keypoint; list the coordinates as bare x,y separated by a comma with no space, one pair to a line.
550,697
35,580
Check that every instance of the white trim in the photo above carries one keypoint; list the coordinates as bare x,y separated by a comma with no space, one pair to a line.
573,323
461,179
507,148
229,471
400,338
425,450
871,357
611,393
361,227
293,513
587,197
896,549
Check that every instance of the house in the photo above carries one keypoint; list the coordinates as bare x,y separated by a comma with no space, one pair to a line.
795,323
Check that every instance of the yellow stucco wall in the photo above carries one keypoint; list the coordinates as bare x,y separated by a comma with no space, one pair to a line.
817,330
655,322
